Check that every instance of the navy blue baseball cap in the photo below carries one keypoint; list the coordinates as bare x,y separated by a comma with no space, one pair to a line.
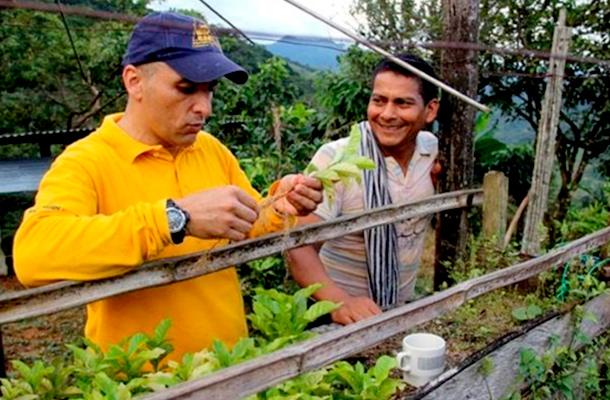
186,44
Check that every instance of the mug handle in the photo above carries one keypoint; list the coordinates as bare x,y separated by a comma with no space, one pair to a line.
400,357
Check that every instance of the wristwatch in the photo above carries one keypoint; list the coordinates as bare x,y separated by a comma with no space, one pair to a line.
177,218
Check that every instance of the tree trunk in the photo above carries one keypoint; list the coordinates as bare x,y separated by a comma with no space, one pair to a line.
459,69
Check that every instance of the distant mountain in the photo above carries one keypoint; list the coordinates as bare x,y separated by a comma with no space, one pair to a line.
316,53
512,131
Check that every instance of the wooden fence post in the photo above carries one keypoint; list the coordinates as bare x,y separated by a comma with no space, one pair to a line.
495,190
545,142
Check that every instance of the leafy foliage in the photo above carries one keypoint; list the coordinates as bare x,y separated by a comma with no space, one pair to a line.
528,312
340,381
563,371
515,84
581,136
133,367
278,315
484,256
516,162
581,221
344,96
42,84
265,273
398,22
354,382
346,165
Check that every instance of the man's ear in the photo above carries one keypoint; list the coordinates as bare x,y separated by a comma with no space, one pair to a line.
133,79
432,110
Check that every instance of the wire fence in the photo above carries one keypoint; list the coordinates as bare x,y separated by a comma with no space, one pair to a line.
298,40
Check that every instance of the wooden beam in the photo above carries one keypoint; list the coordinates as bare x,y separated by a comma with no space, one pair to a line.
261,373
467,383
63,295
545,141
495,188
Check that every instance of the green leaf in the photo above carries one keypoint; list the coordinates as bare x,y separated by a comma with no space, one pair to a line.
329,189
106,384
353,142
136,342
346,169
486,367
327,174
162,329
533,311
305,293
520,314
383,366
361,162
319,309
28,397
311,168
590,316
222,353
22,368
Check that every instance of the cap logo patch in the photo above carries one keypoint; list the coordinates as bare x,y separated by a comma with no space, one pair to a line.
202,36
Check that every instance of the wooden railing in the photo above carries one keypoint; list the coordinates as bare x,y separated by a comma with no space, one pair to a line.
60,296
256,375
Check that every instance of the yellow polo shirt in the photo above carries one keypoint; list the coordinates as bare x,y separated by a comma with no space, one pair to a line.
100,212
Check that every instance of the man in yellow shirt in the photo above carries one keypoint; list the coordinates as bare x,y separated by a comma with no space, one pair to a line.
148,184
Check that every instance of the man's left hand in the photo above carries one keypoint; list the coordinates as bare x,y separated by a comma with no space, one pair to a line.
298,195
436,170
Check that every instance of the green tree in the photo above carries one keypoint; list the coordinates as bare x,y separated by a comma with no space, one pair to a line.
132,7
515,83
399,23
344,96
42,84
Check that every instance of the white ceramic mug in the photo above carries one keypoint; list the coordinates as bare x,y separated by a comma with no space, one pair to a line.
422,358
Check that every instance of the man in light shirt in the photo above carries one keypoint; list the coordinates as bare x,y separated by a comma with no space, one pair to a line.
375,269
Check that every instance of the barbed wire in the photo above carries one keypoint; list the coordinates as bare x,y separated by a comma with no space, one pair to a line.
223,120
219,15
541,76
257,36
107,15
504,50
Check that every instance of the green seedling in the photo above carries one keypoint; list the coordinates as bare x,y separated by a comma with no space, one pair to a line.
345,166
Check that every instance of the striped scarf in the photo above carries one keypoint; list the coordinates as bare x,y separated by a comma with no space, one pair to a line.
382,241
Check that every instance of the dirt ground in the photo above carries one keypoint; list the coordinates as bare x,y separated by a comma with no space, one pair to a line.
39,338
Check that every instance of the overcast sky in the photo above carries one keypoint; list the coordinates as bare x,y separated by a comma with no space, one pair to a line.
273,16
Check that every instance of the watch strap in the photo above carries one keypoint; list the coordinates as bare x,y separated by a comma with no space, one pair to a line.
178,236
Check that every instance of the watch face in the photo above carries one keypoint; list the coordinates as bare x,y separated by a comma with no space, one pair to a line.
176,219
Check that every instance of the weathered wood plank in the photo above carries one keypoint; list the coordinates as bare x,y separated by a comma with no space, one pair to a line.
545,142
253,376
495,187
467,383
64,295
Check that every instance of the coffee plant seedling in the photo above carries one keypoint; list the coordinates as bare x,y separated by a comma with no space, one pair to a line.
346,165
